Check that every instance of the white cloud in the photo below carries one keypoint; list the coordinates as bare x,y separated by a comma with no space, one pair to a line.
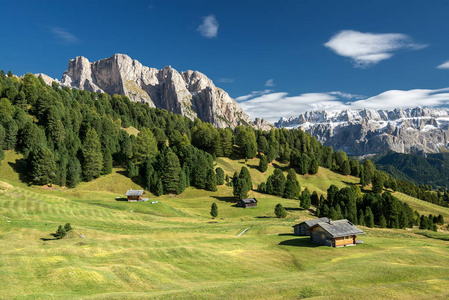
64,36
272,106
367,49
252,95
225,80
269,83
444,65
209,27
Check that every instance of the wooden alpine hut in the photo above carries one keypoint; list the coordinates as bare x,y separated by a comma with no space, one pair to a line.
250,202
335,233
135,195
303,228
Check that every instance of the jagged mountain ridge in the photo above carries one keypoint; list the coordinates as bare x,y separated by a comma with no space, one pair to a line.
366,131
189,93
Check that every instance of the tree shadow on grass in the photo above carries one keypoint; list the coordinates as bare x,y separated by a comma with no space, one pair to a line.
48,239
350,183
293,208
286,234
20,167
299,242
121,199
225,199
284,169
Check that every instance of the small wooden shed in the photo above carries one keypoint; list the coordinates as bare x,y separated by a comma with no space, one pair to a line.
303,228
134,195
250,202
335,233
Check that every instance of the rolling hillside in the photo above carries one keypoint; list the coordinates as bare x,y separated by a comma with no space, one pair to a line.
173,249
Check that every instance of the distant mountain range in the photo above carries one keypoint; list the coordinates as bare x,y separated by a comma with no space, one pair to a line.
365,131
189,93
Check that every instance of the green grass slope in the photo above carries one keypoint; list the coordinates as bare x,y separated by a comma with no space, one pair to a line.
173,249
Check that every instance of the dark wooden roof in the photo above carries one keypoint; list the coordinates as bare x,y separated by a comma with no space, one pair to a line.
339,228
249,200
135,192
313,222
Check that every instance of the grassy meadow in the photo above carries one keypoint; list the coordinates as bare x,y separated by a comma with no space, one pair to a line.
174,249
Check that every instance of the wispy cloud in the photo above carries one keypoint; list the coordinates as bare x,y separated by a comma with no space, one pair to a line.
444,65
225,80
367,49
209,27
273,106
269,83
64,36
253,94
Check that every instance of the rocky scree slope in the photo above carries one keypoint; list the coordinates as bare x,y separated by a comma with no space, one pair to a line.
189,93
367,131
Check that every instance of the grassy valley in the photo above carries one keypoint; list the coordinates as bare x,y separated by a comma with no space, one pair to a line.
174,249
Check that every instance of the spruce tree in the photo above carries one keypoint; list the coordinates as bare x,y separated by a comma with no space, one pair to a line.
107,161
73,172
67,227
182,182
144,146
220,176
43,166
276,183
214,210
292,188
159,188
131,169
211,180
263,164
240,188
361,218
92,156
60,233
280,211
382,222
171,173
244,173
369,217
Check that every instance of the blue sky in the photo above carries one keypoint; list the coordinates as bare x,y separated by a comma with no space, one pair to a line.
277,58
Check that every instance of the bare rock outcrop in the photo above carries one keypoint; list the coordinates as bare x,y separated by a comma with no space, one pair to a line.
366,131
189,93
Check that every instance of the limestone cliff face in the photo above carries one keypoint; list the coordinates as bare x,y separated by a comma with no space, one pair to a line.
189,93
367,131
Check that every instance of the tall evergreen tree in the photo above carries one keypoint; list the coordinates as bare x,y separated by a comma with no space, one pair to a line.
276,183
263,164
92,156
144,146
292,188
220,176
43,166
211,180
244,173
171,173
214,210
369,217
368,169
240,188
73,172
107,161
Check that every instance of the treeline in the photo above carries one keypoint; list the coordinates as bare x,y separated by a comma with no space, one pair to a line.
372,209
71,135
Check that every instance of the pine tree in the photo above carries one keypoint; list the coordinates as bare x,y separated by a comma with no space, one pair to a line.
67,227
144,146
43,166
361,218
131,169
211,180
280,211
244,173
73,172
382,222
159,188
368,169
313,167
60,233
240,188
214,210
171,173
92,156
314,199
263,164
107,161
378,182
276,183
305,200
182,182
220,176
369,217
292,188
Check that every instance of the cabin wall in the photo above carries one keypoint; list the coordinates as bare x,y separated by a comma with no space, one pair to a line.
346,240
320,236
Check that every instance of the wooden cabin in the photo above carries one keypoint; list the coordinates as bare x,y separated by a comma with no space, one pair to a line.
303,228
134,195
250,202
338,233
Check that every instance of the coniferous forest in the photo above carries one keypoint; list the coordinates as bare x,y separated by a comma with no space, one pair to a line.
67,136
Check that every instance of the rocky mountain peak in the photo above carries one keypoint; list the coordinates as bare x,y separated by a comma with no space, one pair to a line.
368,131
189,93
